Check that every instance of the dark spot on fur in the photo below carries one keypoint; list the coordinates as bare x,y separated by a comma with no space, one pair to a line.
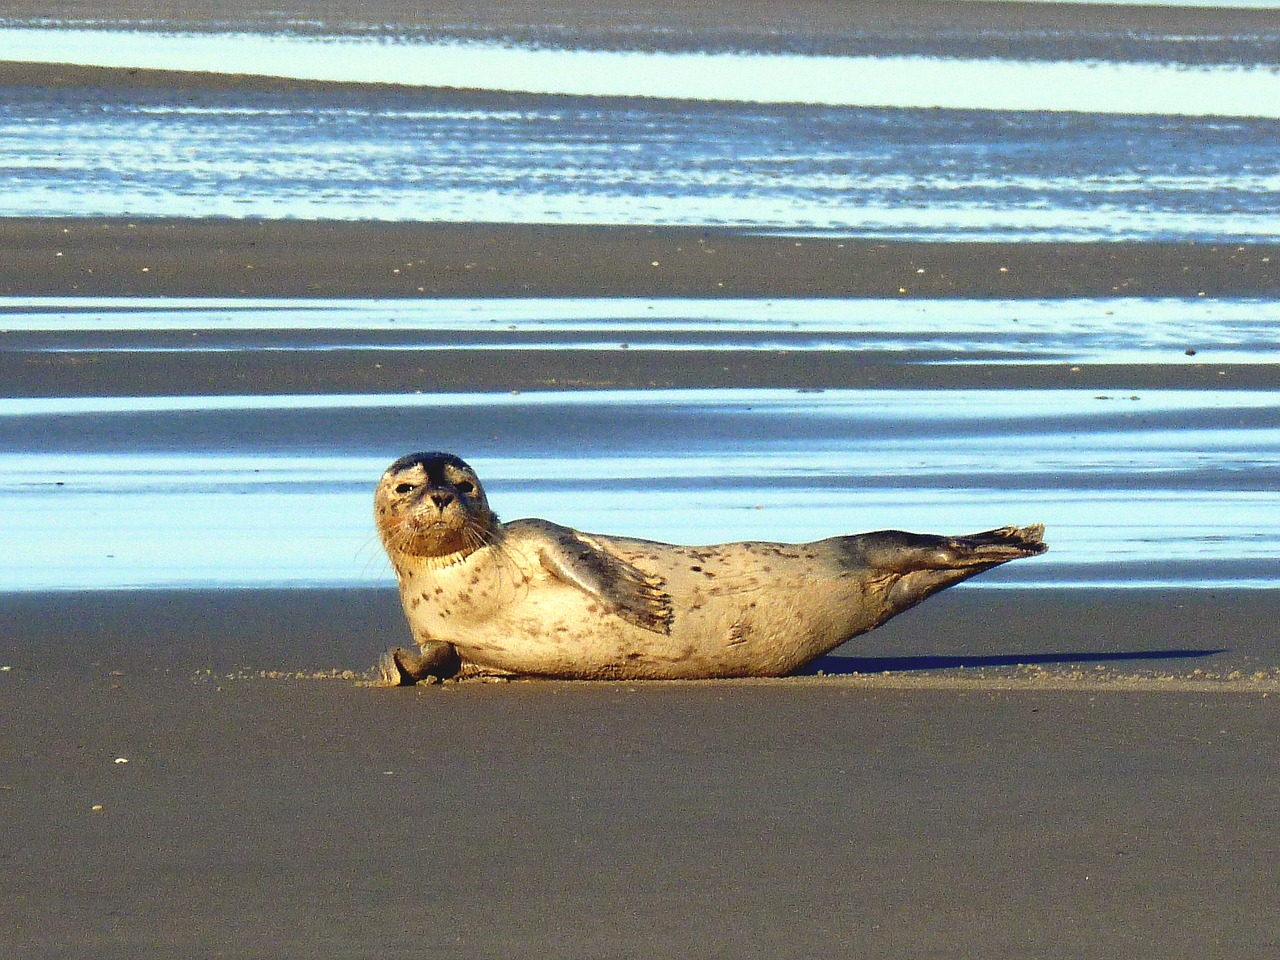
696,569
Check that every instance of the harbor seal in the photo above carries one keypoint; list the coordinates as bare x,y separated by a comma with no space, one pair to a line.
533,598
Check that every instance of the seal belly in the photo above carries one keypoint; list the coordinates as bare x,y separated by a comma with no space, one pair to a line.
751,611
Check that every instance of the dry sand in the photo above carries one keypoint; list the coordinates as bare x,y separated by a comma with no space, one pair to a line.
177,779
177,815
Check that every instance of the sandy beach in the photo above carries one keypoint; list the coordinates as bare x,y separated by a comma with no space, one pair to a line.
1028,770
1039,773
210,778
314,818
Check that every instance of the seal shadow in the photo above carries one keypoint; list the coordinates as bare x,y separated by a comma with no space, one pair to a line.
836,665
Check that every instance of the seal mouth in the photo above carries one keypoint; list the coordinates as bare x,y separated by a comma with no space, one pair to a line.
441,536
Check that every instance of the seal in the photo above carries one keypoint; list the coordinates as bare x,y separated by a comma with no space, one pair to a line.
533,598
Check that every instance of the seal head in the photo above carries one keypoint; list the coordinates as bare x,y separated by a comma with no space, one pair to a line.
431,506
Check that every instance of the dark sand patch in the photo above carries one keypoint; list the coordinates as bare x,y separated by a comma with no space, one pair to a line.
233,258
867,27
96,373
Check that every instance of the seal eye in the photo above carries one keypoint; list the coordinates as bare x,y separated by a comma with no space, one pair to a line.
465,486
404,488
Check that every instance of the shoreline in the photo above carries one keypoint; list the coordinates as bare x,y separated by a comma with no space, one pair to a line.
69,257
1165,639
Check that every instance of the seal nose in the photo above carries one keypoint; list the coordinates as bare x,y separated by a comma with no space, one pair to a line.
441,500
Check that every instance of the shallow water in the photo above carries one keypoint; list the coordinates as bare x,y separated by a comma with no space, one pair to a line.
1081,330
879,165
863,81
1162,488
1138,487
1151,487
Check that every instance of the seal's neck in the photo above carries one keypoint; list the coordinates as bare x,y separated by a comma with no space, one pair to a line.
445,560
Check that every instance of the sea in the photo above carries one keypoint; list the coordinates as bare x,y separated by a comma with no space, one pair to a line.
1144,138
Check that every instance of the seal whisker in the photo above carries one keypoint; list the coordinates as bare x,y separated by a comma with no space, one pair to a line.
371,566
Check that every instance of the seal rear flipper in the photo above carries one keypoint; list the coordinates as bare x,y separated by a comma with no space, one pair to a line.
915,566
895,551
585,563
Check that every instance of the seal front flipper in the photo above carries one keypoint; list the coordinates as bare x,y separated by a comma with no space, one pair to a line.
435,660
585,563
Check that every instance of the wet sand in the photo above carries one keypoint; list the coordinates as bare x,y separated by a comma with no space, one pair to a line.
203,771
233,258
153,813
163,795
964,28
239,259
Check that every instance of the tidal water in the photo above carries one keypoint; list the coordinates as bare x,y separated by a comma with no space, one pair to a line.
1168,488
1138,488
1125,330
888,146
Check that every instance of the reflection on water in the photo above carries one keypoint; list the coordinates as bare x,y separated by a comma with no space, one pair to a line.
906,82
448,156
1111,330
1167,488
